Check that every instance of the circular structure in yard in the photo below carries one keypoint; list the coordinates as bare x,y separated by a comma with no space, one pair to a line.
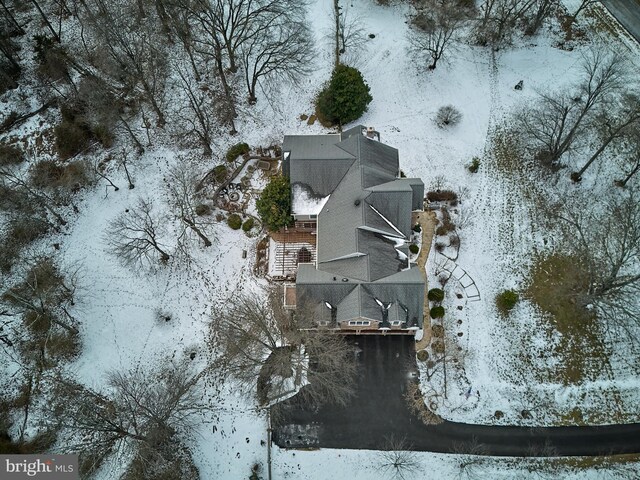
234,196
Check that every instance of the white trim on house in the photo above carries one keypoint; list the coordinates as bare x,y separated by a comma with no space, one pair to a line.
359,323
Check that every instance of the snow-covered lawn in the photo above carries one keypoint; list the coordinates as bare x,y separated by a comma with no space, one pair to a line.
121,328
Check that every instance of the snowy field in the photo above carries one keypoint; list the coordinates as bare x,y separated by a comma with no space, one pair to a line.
121,329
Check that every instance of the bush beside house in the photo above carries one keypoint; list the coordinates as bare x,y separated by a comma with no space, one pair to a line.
274,204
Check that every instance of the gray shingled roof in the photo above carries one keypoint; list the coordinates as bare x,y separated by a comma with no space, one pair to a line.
369,210
315,161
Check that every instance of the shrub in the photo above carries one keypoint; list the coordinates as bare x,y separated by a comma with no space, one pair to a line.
346,97
442,196
423,355
506,300
475,165
234,221
21,231
248,224
45,173
13,115
236,150
413,248
437,331
445,228
220,173
10,155
51,57
436,295
438,346
103,134
62,346
437,312
417,228
71,138
42,442
203,209
274,204
48,173
448,116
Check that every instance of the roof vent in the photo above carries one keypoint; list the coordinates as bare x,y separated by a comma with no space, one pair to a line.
357,202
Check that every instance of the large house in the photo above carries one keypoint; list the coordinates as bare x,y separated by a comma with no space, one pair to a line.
347,186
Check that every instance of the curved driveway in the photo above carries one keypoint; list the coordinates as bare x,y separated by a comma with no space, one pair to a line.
379,411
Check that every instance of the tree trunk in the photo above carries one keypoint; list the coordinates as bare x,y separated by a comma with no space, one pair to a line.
161,122
192,225
196,73
612,136
46,20
252,90
577,176
126,171
164,19
634,170
336,9
19,30
139,146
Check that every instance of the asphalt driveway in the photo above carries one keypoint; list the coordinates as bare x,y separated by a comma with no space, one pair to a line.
379,411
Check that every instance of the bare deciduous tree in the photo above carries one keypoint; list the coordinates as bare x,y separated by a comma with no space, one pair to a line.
25,195
498,20
263,344
583,5
348,32
437,23
553,125
541,10
613,123
398,461
43,299
285,50
135,54
201,109
134,236
181,185
631,157
608,244
146,411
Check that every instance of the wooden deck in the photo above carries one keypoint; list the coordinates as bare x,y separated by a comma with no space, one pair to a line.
294,236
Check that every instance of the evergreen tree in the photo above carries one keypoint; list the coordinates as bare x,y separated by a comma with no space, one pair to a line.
274,204
346,97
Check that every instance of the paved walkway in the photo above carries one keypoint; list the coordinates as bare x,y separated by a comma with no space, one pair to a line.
427,221
461,276
379,411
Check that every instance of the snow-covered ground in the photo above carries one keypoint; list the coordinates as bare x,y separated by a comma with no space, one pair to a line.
121,329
